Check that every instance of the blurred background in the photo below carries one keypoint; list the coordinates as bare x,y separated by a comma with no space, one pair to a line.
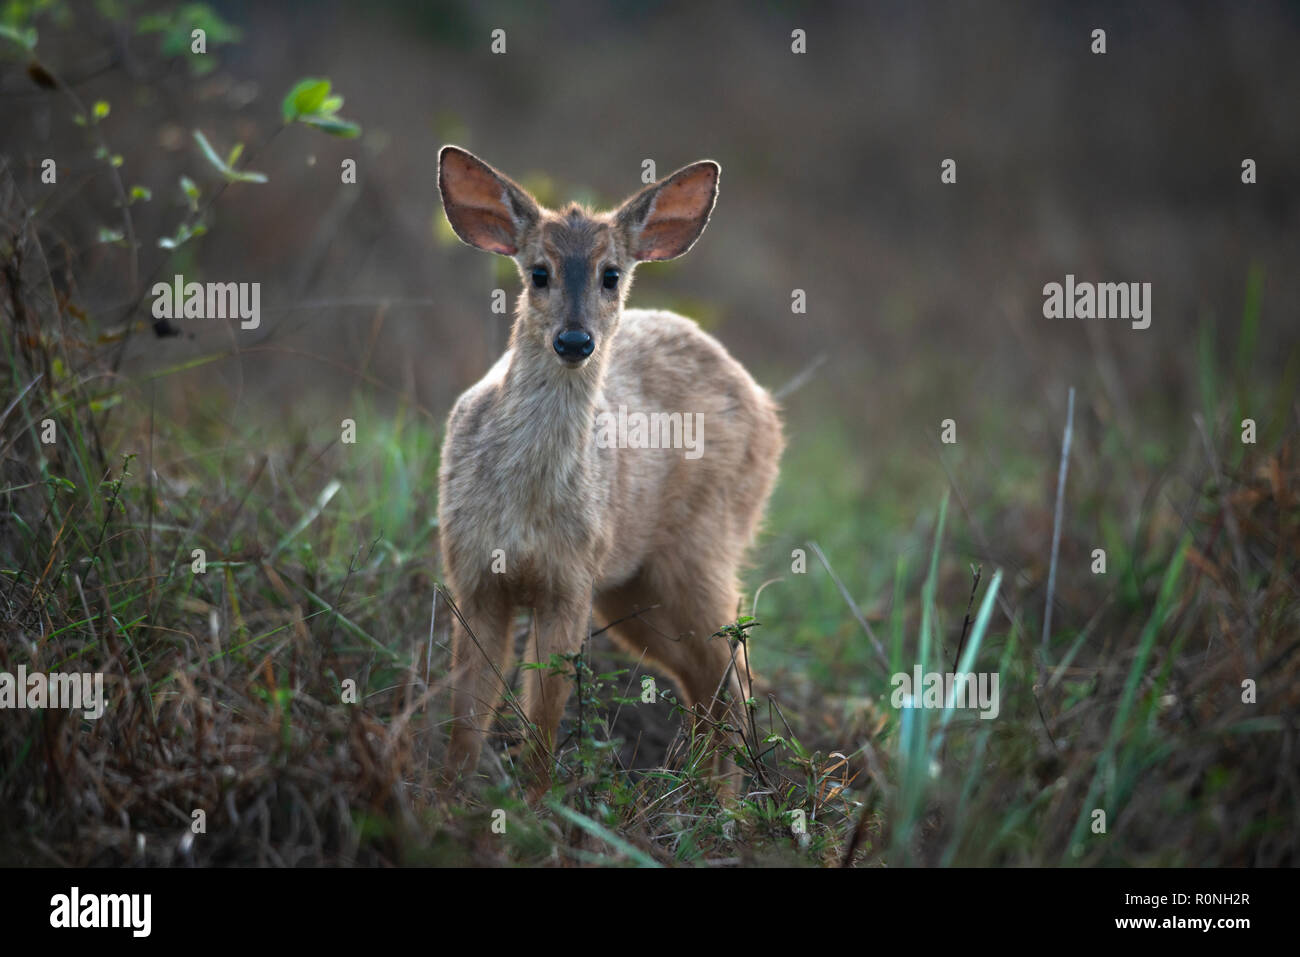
924,299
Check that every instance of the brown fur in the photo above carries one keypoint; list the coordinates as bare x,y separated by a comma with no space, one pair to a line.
626,529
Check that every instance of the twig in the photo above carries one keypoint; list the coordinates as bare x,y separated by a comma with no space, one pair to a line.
853,606
965,625
980,538
859,831
428,657
1229,522
618,621
1056,525
801,378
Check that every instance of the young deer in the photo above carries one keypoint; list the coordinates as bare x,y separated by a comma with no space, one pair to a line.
536,512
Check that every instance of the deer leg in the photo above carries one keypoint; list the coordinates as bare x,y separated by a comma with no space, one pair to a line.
480,655
559,628
678,635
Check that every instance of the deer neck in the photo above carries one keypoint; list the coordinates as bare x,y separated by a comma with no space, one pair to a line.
550,413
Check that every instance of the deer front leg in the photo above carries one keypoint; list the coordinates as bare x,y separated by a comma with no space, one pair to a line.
480,656
559,628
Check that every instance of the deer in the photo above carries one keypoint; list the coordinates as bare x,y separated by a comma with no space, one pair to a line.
536,514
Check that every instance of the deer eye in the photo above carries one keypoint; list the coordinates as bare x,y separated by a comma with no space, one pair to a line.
611,278
540,277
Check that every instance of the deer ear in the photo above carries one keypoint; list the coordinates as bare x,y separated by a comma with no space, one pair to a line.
484,207
664,219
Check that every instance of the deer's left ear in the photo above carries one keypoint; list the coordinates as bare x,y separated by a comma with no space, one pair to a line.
664,219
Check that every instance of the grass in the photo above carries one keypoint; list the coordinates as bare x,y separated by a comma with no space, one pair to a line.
227,688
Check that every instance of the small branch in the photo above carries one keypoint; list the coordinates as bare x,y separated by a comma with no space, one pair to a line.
853,606
965,625
801,378
1056,525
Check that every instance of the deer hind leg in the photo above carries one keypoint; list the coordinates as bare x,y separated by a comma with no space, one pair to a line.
479,662
558,628
673,620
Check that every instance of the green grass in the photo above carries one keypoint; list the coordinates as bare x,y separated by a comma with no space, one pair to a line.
321,568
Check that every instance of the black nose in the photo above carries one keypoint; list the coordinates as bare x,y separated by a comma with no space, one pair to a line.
574,344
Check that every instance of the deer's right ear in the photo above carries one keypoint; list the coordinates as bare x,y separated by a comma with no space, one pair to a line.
484,207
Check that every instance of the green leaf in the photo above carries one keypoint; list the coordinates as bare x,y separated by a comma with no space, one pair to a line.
638,857
141,193
24,38
191,192
100,110
107,235
333,125
232,175
209,153
184,233
311,102
307,96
